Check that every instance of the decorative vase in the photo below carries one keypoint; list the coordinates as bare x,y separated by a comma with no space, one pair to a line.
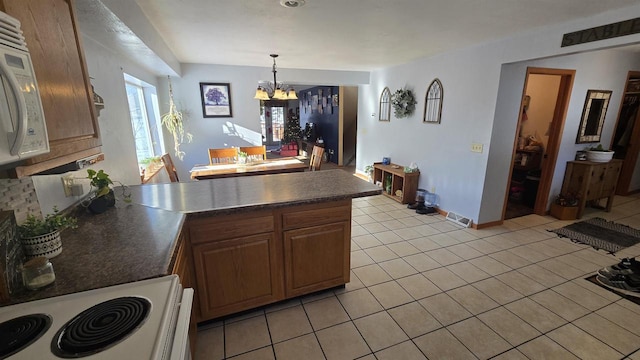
47,245
599,156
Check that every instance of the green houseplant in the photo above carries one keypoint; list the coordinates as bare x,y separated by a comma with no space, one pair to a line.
102,196
173,121
369,171
41,236
565,206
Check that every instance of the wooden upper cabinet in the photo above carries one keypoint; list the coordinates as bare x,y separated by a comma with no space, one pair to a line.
55,45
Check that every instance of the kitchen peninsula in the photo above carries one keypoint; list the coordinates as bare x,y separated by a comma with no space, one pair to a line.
240,242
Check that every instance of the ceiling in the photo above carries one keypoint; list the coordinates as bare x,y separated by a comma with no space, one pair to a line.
348,34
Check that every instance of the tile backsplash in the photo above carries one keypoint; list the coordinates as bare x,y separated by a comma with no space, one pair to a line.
19,195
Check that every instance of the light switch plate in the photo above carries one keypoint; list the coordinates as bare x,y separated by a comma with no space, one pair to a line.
476,147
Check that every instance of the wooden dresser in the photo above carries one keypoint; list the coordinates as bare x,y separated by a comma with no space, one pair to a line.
592,181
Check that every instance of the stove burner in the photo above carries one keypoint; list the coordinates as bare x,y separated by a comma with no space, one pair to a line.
16,334
100,327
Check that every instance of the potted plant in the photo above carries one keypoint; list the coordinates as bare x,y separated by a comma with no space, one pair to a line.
173,121
102,195
242,157
565,206
41,236
369,171
599,154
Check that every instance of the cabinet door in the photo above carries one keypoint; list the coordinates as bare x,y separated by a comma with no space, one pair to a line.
594,190
53,39
316,258
611,178
237,274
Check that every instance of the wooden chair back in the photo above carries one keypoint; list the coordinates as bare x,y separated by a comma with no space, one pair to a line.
255,152
316,158
171,169
223,156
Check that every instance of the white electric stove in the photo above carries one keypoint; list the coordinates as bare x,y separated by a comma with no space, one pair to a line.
147,319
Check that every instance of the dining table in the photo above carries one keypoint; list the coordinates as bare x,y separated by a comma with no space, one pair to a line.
261,167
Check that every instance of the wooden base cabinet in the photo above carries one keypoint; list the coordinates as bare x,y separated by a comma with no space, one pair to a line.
237,264
248,260
237,274
317,247
592,181
183,267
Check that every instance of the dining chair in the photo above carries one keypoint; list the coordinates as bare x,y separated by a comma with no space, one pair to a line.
316,158
171,169
223,156
255,152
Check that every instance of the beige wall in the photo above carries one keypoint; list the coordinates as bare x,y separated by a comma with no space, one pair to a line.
543,90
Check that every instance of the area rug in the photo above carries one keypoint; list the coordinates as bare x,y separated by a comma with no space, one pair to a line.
601,234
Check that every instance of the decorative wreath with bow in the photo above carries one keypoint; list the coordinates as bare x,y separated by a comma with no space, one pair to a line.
404,103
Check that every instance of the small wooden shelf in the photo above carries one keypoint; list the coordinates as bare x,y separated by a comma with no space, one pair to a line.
527,160
407,183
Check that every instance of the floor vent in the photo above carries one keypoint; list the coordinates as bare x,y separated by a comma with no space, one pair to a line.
459,219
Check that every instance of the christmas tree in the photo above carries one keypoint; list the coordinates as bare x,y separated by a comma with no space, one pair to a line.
291,129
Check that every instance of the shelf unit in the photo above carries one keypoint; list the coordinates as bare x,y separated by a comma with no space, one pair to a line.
527,160
400,180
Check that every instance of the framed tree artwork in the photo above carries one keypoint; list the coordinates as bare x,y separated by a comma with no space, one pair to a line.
216,99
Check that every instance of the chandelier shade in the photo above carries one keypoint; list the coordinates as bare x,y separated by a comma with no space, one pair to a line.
275,90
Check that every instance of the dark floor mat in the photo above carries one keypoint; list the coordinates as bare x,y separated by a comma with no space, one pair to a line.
601,234
633,299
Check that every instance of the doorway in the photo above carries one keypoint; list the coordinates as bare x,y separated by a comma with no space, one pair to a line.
543,109
272,118
625,139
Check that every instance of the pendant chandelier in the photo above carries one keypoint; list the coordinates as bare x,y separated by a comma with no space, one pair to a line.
274,90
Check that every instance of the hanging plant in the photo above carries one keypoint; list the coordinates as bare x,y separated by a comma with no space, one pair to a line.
404,103
173,121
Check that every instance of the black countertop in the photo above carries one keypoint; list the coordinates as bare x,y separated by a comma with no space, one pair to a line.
129,242
137,241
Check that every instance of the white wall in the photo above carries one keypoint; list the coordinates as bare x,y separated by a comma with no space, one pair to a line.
118,146
244,127
602,70
481,104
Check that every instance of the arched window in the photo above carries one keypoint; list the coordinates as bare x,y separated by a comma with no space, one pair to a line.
385,105
433,102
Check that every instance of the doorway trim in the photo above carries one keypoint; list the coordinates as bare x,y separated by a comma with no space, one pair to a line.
556,129
631,157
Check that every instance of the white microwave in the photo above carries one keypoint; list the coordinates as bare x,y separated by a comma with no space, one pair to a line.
23,131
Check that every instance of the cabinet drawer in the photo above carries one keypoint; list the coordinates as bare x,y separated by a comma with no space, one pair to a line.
228,227
311,215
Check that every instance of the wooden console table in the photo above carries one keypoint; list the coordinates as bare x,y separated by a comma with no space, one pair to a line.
406,183
592,181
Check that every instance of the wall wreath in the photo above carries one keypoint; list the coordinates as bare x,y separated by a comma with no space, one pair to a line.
404,103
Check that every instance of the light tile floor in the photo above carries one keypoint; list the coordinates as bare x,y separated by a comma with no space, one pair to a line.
423,287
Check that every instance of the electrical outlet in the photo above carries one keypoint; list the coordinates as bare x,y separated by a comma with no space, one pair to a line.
476,147
67,183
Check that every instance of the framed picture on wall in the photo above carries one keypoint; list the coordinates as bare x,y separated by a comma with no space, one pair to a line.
593,114
216,99
334,99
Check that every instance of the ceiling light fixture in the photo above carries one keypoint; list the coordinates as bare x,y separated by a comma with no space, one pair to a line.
292,3
275,90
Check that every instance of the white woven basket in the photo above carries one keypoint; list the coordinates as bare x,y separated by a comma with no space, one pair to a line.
48,245
600,156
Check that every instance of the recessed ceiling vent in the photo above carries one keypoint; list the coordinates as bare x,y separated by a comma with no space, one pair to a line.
292,3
